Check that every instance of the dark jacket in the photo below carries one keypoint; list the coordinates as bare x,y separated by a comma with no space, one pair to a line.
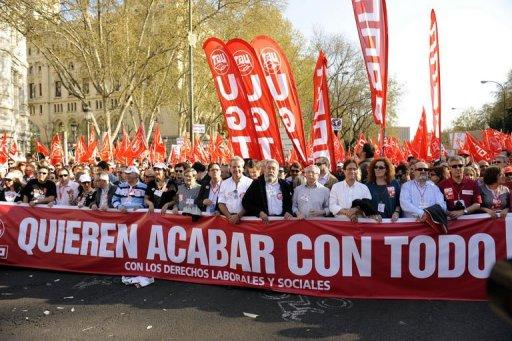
204,193
255,199
110,194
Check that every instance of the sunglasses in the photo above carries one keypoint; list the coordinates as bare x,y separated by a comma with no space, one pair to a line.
157,169
179,171
379,167
496,162
422,169
457,166
42,173
86,182
63,175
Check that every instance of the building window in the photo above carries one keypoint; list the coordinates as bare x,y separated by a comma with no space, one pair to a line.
31,90
40,109
40,90
29,51
85,86
58,89
39,69
30,70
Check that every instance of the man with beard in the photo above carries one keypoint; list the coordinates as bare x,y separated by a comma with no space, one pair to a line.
418,194
269,196
40,190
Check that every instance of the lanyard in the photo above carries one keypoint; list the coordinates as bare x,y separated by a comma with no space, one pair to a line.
422,193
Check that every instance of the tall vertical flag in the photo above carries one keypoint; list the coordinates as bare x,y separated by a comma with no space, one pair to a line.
435,86
282,86
321,130
372,26
233,99
259,98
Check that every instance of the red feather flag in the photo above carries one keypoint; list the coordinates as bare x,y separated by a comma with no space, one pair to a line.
41,148
80,149
138,145
339,150
105,148
359,145
476,149
420,143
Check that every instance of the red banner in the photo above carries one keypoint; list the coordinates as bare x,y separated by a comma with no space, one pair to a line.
56,151
321,130
280,80
233,101
435,87
372,26
259,98
327,257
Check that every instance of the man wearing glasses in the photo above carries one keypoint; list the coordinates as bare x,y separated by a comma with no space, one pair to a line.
500,161
67,190
311,199
418,194
40,190
461,194
296,178
232,191
326,178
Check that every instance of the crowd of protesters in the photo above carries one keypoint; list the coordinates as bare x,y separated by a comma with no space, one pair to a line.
366,186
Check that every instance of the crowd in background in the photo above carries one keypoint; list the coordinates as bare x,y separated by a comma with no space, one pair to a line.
362,187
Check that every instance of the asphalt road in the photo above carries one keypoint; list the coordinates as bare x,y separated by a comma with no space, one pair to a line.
56,305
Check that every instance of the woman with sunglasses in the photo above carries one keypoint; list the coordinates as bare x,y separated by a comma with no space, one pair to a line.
11,191
86,193
385,190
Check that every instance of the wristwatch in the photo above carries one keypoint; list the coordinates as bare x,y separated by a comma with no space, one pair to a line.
466,211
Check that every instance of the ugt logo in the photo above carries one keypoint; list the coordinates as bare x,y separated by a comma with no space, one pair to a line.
3,248
243,62
270,60
220,61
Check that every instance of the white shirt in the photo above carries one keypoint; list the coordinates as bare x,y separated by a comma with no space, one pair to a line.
414,198
323,179
213,195
274,198
342,195
62,192
104,197
231,193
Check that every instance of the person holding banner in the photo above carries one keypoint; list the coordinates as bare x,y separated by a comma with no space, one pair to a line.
67,189
104,193
495,196
461,194
232,191
160,190
11,191
40,190
130,194
345,192
209,192
186,195
269,196
86,194
418,194
385,190
312,198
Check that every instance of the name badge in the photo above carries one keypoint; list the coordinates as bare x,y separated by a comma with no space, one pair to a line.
190,201
304,198
279,196
467,192
381,207
448,192
180,197
158,193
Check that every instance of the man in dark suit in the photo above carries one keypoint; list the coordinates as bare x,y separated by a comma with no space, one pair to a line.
208,194
104,193
268,195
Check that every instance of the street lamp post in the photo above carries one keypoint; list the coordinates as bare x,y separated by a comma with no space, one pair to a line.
504,94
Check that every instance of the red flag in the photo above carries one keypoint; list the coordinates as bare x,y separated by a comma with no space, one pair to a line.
13,150
3,149
359,144
321,131
198,152
138,145
41,148
280,80
476,149
80,150
492,141
122,149
339,150
372,26
420,143
157,150
56,151
259,99
435,87
233,100
105,148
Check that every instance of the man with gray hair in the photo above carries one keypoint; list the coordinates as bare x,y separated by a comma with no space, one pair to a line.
461,194
312,198
232,190
269,196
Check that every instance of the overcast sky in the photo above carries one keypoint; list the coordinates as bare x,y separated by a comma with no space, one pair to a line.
475,38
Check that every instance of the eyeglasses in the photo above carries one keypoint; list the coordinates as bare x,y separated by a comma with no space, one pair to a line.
157,169
63,175
294,170
422,169
179,170
86,182
457,166
496,162
379,167
42,173
319,164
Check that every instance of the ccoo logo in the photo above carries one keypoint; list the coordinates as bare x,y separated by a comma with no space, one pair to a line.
243,62
220,61
270,60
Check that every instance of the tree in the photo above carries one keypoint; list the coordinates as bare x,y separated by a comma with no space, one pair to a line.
470,119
